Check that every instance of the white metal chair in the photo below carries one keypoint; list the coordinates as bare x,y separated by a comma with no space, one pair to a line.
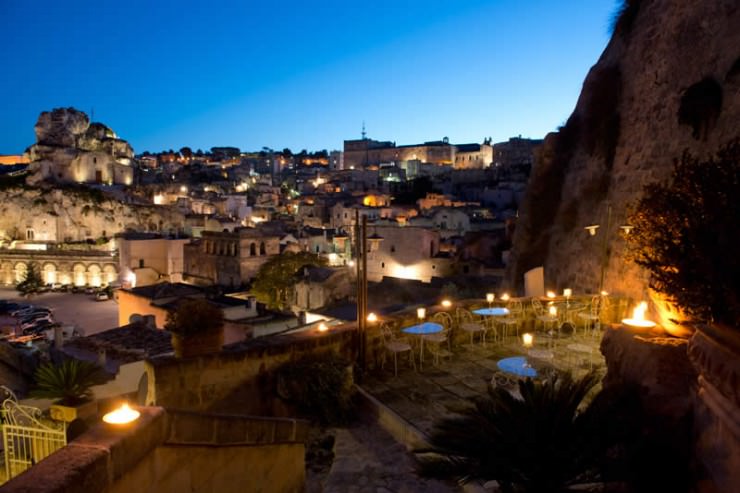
395,345
436,340
592,317
468,322
513,319
544,316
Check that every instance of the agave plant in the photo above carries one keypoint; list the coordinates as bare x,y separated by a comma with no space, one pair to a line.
541,441
69,382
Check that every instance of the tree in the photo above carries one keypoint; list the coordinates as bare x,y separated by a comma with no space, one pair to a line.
276,277
186,152
540,442
195,316
32,283
686,235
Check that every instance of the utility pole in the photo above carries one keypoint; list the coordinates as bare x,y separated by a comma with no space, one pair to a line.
361,269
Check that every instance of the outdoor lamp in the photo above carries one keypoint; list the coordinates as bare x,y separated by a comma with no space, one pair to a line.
638,317
323,327
446,303
553,311
567,292
421,313
551,294
121,416
505,297
490,297
592,229
527,340
372,317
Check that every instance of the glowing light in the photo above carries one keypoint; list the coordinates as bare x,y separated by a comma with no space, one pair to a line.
490,297
183,188
604,293
372,318
332,257
627,228
567,292
446,303
553,311
351,263
505,297
131,279
323,327
421,313
592,229
121,416
551,294
159,199
527,340
638,317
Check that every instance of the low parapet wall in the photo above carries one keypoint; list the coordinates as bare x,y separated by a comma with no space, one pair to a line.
172,451
239,378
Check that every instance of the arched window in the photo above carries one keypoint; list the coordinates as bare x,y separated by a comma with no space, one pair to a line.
262,248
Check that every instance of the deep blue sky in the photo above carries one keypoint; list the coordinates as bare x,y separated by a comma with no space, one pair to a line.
298,74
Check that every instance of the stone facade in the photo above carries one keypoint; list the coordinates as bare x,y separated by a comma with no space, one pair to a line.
79,268
229,258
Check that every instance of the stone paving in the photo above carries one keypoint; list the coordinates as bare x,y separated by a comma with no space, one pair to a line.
368,460
434,392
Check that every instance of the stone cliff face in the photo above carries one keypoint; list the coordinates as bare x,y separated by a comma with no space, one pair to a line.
667,83
63,215
69,148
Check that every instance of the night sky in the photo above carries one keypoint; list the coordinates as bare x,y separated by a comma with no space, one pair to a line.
298,74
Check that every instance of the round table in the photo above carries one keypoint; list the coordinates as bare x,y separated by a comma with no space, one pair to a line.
492,312
423,329
517,365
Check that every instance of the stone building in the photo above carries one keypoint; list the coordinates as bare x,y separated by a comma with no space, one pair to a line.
229,258
76,267
148,258
473,155
70,149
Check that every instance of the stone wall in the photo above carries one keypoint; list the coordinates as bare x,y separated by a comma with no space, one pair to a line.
241,377
625,132
173,452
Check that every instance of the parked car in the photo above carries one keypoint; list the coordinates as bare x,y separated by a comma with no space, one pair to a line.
34,323
8,306
23,309
34,310
101,296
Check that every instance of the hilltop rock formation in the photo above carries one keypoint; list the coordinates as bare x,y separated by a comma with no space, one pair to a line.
69,148
667,83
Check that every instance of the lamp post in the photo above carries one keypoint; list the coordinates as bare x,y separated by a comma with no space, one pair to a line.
361,266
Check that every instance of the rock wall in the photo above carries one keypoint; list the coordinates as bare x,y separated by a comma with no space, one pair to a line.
76,214
69,148
667,83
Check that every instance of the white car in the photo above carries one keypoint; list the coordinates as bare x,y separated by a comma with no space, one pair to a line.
101,296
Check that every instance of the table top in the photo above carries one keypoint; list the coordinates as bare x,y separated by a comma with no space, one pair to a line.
517,365
424,328
493,312
579,348
541,354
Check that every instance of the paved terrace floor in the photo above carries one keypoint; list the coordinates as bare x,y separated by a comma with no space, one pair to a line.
434,392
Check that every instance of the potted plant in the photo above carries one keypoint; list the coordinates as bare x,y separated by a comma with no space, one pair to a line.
71,384
197,328
686,236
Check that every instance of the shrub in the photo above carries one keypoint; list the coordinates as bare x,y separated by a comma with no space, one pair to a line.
195,316
320,386
686,235
700,107
540,442
70,382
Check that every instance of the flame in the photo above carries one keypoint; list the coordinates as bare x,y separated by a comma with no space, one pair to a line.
551,294
323,327
372,317
527,339
122,415
638,317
